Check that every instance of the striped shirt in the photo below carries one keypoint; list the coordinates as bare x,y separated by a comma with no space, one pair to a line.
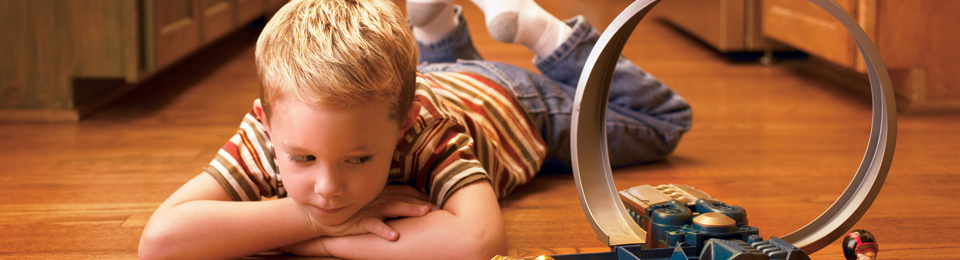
468,128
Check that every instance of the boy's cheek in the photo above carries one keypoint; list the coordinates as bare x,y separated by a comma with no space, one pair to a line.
294,188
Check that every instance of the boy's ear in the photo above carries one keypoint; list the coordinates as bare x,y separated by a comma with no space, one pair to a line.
409,119
258,110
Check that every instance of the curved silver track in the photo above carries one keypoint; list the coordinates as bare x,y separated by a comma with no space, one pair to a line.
591,165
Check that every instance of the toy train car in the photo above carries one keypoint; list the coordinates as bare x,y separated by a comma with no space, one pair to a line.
685,223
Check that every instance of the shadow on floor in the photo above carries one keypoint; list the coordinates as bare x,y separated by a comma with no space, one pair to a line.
156,93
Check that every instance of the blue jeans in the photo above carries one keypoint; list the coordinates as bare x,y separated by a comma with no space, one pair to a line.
645,119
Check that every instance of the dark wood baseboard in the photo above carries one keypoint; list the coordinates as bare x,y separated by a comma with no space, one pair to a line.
38,115
909,85
67,115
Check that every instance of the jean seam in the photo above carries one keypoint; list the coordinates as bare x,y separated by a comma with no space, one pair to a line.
581,29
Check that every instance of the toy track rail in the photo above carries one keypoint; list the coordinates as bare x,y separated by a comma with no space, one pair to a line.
591,167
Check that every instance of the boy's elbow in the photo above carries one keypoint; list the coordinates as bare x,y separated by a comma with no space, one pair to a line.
154,241
484,243
148,249
490,247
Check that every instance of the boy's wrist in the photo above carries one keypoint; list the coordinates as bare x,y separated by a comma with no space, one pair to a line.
321,247
309,247
310,223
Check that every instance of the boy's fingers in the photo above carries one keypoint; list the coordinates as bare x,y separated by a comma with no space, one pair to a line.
404,209
416,201
405,190
390,198
377,227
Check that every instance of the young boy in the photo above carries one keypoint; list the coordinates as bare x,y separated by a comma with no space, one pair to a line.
344,110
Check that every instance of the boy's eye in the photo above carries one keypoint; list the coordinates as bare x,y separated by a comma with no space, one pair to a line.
302,159
359,160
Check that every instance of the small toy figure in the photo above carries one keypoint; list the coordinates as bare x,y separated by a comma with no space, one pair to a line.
860,245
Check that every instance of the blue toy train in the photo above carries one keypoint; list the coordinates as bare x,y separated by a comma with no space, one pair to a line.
685,223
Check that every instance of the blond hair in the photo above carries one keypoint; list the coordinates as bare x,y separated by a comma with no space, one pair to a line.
338,53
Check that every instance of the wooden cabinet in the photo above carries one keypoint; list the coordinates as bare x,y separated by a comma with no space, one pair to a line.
219,18
247,10
61,59
173,28
805,26
273,6
917,40
726,25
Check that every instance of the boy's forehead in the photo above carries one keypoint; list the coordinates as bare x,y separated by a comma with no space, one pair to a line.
293,107
287,103
352,124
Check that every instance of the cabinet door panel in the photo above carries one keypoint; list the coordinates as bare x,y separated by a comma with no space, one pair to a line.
805,26
175,29
218,19
273,6
718,23
247,10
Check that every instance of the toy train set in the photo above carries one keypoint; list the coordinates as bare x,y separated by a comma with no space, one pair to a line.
679,222
685,223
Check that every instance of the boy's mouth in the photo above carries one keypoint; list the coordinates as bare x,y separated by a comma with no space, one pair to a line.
329,211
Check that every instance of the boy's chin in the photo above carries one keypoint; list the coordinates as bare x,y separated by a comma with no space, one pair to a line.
333,219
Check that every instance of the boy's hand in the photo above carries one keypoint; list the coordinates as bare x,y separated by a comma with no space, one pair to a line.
393,202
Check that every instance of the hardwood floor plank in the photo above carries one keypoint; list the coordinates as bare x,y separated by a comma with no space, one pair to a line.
780,143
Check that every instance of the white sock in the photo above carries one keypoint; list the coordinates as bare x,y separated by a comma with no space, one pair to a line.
524,22
431,19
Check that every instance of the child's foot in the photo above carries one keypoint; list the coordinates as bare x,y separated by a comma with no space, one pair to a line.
431,19
524,22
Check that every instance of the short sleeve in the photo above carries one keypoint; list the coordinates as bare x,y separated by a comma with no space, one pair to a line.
436,154
246,166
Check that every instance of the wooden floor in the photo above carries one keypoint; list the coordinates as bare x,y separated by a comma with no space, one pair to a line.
781,144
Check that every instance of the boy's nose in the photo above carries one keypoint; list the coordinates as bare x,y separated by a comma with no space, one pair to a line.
329,184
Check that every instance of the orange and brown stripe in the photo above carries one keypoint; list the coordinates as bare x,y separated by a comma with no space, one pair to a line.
468,129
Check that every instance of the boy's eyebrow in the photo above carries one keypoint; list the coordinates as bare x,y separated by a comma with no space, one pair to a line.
292,148
364,147
297,149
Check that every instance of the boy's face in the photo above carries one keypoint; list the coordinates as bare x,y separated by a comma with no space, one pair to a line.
333,162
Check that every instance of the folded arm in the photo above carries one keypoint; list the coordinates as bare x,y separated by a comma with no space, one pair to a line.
470,226
200,222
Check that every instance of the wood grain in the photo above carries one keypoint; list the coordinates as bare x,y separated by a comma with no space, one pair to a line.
721,24
219,18
247,10
777,142
52,44
913,36
910,36
803,25
176,31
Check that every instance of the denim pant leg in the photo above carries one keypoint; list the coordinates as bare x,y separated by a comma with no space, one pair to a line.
455,45
645,119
